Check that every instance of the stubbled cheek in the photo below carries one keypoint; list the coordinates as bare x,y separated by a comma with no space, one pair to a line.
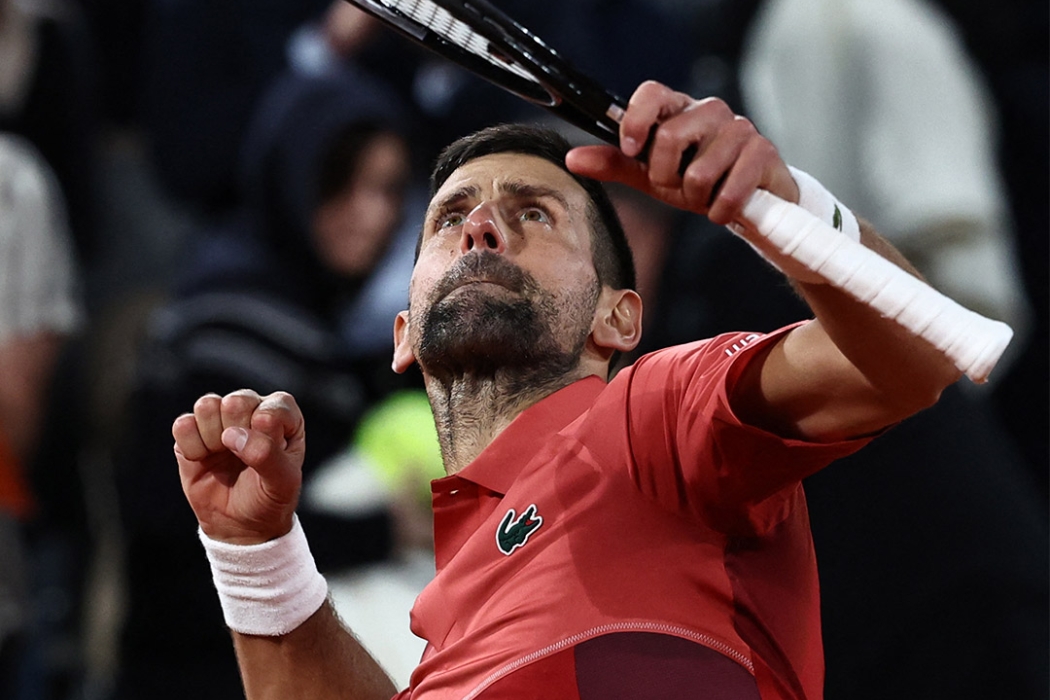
419,290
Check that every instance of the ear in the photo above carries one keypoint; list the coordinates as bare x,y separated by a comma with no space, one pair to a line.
618,320
403,356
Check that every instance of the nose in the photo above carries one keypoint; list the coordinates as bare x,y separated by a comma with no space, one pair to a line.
483,230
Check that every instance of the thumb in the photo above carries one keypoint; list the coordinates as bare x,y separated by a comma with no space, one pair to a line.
262,453
235,439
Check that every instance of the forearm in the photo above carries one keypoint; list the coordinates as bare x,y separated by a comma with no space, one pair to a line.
318,660
289,641
871,239
892,372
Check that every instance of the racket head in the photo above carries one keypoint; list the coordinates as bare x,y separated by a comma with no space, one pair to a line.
480,37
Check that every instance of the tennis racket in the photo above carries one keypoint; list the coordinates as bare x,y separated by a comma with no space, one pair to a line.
481,38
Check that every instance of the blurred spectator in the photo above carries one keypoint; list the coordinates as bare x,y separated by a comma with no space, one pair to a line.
1009,41
48,94
893,81
39,312
262,302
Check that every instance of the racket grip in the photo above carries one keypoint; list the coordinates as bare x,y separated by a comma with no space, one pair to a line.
971,341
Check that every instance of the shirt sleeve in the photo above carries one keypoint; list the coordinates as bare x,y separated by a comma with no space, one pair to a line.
690,452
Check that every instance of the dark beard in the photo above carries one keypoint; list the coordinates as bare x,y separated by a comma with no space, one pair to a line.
479,334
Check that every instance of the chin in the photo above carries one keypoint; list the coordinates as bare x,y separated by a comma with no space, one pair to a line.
477,334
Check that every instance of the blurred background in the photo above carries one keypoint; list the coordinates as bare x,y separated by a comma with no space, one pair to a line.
204,195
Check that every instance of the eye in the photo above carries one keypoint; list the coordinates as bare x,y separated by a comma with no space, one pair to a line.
534,214
450,220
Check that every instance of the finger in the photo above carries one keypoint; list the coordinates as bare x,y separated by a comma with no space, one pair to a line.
238,407
188,441
279,415
279,418
652,103
611,165
274,443
207,411
704,178
253,447
259,451
750,171
684,135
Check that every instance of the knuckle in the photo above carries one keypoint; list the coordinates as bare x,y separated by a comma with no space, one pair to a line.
284,398
647,88
181,424
715,107
766,149
697,178
744,123
238,402
207,402
731,202
665,138
743,129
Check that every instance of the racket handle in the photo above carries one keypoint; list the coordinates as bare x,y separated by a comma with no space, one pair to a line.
972,342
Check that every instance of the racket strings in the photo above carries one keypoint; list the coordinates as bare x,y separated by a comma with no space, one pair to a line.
442,22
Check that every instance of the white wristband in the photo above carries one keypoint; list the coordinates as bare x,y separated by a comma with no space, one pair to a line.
266,589
815,198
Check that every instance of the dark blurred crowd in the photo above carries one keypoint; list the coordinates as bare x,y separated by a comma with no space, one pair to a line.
201,196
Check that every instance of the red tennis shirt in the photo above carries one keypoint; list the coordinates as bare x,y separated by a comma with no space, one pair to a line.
608,516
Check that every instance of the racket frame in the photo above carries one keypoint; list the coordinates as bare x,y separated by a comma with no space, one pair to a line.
557,85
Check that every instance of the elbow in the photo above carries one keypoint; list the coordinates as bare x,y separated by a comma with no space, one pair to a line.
921,394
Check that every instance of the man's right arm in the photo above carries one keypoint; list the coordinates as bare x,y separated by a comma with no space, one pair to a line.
240,462
850,373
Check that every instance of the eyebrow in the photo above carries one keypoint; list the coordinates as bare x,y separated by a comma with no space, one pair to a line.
452,198
524,190
514,188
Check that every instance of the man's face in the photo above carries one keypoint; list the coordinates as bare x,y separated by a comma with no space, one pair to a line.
505,278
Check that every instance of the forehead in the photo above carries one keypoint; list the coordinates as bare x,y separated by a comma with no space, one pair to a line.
490,175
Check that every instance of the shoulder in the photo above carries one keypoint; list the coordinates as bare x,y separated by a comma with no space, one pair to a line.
699,358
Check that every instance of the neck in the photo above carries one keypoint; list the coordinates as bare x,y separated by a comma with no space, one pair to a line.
471,411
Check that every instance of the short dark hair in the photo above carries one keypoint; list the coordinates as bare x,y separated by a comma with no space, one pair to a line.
613,261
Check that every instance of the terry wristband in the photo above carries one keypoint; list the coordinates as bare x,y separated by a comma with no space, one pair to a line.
266,589
815,198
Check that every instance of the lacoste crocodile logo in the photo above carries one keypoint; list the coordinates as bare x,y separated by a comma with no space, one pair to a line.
514,532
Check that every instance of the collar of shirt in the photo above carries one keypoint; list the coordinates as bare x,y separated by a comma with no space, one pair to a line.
499,464
463,501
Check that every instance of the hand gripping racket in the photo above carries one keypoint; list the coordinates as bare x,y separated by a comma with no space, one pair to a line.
484,40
